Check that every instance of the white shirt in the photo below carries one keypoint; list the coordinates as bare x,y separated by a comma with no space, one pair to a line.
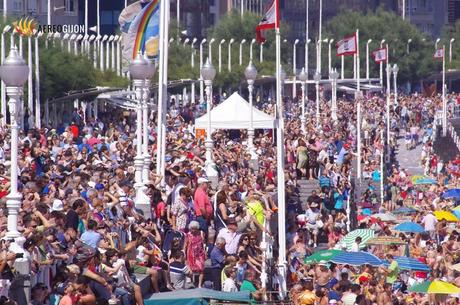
429,222
231,240
354,247
229,285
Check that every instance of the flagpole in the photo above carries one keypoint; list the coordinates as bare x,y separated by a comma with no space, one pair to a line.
444,102
388,96
358,98
165,85
280,163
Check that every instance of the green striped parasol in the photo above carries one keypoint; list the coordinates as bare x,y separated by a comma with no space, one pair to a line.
349,239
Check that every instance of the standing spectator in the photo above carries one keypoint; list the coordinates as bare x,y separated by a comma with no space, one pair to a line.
203,207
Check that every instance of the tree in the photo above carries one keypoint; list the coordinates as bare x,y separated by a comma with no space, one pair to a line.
386,25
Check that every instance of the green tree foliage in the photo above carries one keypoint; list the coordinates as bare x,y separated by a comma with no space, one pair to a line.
450,32
380,25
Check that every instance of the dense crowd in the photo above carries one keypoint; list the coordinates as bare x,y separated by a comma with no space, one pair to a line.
88,243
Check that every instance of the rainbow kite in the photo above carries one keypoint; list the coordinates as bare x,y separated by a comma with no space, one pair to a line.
143,33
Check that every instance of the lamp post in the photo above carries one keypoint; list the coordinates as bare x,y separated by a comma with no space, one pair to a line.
220,55
395,84
230,54
334,75
367,58
317,78
381,64
203,41
139,70
329,55
192,60
96,42
145,120
209,72
14,72
436,43
253,41
118,65
261,53
104,39
108,50
251,74
408,45
450,49
303,77
241,51
37,81
294,67
210,49
186,41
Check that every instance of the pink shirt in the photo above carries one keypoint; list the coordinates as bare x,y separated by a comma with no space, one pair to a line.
201,201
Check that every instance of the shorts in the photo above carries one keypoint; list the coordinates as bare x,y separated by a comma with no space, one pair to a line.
312,228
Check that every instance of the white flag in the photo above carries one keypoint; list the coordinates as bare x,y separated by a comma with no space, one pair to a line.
380,55
439,53
347,46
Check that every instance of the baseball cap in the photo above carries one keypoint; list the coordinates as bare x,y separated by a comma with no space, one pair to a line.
202,180
57,205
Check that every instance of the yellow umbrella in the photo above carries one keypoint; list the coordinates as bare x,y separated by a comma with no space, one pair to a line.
448,216
435,287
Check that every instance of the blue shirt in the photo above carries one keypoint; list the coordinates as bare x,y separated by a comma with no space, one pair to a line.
217,258
91,238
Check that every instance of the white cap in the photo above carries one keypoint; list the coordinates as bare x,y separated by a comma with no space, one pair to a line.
202,180
57,205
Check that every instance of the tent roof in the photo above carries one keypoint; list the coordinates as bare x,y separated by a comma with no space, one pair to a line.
234,113
199,293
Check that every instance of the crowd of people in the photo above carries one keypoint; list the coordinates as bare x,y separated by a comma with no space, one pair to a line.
88,243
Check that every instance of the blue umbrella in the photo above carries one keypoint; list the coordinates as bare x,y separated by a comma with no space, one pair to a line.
409,264
410,227
452,193
425,180
404,210
357,259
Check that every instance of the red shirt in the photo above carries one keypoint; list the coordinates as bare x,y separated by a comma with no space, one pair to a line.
74,130
201,201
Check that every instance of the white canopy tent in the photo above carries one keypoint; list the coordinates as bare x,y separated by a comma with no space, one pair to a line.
234,113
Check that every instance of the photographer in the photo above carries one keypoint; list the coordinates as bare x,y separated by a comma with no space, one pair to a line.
7,259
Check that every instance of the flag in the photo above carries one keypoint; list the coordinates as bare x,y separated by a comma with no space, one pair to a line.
439,53
347,46
380,55
144,30
270,20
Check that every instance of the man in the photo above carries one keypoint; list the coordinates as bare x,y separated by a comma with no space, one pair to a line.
91,237
429,222
229,284
392,271
313,224
355,245
203,207
349,297
217,257
230,235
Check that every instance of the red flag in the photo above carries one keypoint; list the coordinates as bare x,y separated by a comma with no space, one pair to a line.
439,53
347,46
380,55
270,20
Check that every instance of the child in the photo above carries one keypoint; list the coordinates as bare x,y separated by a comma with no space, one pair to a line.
178,271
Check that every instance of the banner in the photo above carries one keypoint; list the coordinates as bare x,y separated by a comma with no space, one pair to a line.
269,21
380,55
439,53
347,46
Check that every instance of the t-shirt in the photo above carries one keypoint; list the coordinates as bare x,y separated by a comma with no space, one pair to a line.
247,286
91,238
201,200
229,285
178,272
430,222
394,271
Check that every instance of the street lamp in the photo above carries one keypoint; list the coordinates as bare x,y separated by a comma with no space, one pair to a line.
334,75
294,67
261,53
203,41
450,49
251,74
329,55
381,64
241,51
317,78
210,49
220,55
186,41
14,72
408,45
303,77
230,54
145,118
367,58
253,41
104,38
436,43
209,72
108,51
139,71
192,60
395,75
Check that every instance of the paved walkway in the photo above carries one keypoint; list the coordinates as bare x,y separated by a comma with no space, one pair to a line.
409,159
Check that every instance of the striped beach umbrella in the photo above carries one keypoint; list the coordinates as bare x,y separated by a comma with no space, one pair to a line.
357,259
348,240
322,256
435,287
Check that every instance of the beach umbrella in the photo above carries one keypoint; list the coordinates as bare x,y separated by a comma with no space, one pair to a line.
409,264
322,256
404,210
356,259
409,227
387,217
348,240
447,216
435,287
385,240
452,193
425,180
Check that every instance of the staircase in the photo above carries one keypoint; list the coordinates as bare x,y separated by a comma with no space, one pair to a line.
445,147
305,189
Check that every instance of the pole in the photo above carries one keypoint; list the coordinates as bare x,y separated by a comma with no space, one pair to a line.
37,85
30,95
201,66
382,175
358,92
49,12
119,56
395,85
307,34
329,60
98,17
86,17
145,132
367,59
381,64
261,53
444,101
294,68
178,15
242,8
165,84
342,64
302,118
230,55
251,147
388,98
320,39
3,88
162,94
282,264
403,13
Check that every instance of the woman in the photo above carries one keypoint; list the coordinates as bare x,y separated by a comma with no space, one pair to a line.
312,153
222,211
158,207
194,249
302,158
180,210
